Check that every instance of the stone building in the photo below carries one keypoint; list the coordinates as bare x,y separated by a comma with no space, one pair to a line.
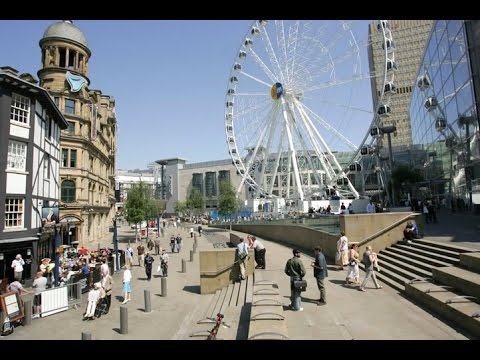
88,145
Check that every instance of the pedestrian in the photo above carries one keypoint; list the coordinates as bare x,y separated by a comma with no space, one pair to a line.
191,232
178,240
295,269
150,245
370,261
242,252
104,267
148,265
173,243
107,285
370,207
39,284
199,230
129,256
93,298
17,266
157,247
259,251
353,273
164,263
127,288
320,272
342,251
141,254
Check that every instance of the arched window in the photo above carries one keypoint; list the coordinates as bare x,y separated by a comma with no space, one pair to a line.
68,191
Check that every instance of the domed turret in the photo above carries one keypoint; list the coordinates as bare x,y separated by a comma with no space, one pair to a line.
65,30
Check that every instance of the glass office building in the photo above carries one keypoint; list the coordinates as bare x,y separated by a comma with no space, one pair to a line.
444,115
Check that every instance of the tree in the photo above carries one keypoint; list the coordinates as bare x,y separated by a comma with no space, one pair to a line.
137,206
180,207
195,201
228,204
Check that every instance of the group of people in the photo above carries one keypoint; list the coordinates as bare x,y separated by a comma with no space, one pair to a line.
242,252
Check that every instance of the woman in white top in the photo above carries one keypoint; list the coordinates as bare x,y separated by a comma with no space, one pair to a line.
127,289
342,251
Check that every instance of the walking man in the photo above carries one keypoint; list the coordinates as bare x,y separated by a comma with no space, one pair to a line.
141,254
320,272
295,269
370,261
242,251
148,265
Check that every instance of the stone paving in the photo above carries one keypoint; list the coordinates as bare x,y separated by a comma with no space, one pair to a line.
349,314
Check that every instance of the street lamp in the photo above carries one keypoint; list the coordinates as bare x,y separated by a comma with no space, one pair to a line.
115,244
57,255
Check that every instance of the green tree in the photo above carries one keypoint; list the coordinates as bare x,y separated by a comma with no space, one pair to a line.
180,207
195,202
228,204
137,206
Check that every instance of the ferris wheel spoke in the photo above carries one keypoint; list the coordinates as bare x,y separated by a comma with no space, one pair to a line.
337,82
256,79
272,55
252,108
263,66
279,26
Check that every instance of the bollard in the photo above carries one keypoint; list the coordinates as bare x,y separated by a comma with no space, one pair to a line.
123,320
27,311
148,303
191,255
194,237
194,248
184,266
164,286
86,336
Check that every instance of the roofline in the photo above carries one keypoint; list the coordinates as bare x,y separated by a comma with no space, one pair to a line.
58,116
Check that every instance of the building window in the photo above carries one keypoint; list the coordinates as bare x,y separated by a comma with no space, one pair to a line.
13,213
69,106
197,182
17,154
224,175
50,127
71,128
68,191
210,184
63,56
69,161
91,164
20,109
57,101
46,166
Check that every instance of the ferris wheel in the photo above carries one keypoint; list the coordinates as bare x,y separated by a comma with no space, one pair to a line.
298,110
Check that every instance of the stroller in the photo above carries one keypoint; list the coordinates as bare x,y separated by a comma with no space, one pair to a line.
101,308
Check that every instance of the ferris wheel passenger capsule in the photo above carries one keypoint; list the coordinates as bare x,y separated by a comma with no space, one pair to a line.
383,24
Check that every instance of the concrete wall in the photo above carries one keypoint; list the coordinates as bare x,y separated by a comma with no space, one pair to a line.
357,228
216,271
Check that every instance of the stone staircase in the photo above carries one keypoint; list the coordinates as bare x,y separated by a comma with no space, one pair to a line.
442,277
234,302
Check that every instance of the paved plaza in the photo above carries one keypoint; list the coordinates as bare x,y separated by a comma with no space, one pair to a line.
350,314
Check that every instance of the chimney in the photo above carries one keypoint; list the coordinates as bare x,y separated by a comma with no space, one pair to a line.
29,77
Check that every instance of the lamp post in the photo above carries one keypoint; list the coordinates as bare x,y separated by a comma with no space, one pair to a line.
115,244
57,256
389,130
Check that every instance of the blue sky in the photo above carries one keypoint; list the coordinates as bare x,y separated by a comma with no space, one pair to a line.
168,77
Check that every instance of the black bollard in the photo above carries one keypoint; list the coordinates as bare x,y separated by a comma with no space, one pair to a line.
164,286
148,303
194,248
86,336
191,255
123,320
27,311
184,266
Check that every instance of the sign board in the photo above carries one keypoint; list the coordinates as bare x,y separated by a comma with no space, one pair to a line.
12,306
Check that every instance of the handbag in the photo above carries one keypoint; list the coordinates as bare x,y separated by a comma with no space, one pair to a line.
300,285
243,255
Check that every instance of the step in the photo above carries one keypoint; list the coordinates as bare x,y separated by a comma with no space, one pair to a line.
389,278
213,303
387,261
470,261
406,273
235,292
427,253
218,306
427,260
242,292
437,250
229,330
447,246
459,312
228,298
466,281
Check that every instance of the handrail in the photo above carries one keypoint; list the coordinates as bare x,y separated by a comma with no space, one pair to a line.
384,230
210,273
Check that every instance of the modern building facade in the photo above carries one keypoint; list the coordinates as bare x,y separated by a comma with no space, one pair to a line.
88,145
30,126
409,37
125,180
444,112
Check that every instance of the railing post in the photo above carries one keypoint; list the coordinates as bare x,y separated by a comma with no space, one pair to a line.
86,336
191,255
164,286
184,266
123,320
148,304
27,311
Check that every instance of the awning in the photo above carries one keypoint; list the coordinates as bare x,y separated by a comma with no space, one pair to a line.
22,239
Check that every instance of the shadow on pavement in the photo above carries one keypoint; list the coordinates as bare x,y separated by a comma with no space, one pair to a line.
195,289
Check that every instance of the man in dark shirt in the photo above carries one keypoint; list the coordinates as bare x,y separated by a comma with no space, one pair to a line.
148,265
320,272
295,269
